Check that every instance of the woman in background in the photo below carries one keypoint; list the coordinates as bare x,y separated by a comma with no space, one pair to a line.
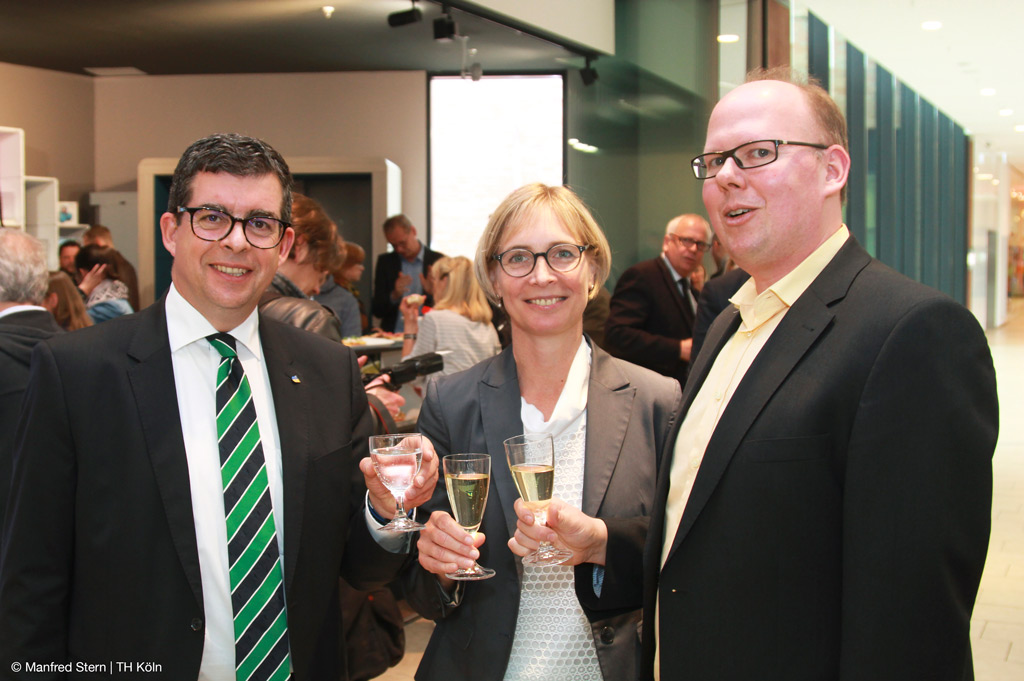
65,303
335,294
460,321
109,297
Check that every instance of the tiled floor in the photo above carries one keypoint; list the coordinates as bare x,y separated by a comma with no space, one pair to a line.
997,630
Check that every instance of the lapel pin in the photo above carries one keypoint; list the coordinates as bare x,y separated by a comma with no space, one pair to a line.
296,379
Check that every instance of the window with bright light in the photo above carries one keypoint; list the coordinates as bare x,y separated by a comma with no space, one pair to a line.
487,138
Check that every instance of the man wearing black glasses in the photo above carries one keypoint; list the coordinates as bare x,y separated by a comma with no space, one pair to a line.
182,500
651,315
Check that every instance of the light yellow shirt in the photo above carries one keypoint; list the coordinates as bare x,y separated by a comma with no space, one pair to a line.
761,314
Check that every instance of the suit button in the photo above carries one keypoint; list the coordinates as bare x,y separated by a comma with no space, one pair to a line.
607,635
197,624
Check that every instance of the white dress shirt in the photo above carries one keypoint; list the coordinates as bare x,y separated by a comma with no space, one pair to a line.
195,364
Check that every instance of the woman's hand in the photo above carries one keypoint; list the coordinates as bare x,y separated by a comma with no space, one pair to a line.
567,527
93,278
445,547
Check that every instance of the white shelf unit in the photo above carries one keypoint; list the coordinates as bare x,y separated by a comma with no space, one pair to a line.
12,177
41,221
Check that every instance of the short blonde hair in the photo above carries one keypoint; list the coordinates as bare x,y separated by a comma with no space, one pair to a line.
525,203
462,293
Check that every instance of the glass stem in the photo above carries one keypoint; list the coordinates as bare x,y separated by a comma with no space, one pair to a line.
400,502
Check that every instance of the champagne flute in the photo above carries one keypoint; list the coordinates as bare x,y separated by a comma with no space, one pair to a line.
531,458
467,478
396,458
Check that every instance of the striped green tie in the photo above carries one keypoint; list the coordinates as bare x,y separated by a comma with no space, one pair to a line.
257,589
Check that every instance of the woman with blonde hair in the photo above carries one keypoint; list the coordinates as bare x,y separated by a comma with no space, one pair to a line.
542,257
65,303
459,322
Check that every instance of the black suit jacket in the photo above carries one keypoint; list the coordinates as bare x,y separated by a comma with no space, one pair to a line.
389,266
838,524
647,319
19,333
630,414
100,561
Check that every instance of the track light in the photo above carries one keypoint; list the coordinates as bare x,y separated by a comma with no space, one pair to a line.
409,16
588,74
445,28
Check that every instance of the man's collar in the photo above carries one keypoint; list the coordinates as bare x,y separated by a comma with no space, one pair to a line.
185,325
15,309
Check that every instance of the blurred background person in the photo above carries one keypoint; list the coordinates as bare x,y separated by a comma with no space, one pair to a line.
66,256
336,294
459,322
64,302
401,272
23,324
314,253
542,257
697,278
108,298
99,235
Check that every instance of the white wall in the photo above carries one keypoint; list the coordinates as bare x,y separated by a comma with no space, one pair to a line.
380,114
587,22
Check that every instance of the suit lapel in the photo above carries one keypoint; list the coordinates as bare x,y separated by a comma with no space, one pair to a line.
292,407
500,404
609,407
673,289
803,324
152,384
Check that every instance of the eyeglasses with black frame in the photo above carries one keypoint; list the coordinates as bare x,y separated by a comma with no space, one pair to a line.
687,242
748,155
519,262
210,224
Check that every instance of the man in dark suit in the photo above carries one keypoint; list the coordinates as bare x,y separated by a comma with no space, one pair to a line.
401,272
650,320
23,324
825,511
182,502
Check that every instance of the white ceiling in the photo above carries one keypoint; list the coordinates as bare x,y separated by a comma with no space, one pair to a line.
979,46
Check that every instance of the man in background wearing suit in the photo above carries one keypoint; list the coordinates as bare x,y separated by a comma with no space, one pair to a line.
182,501
24,322
651,315
401,272
825,511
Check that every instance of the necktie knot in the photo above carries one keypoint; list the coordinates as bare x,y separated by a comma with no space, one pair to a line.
223,343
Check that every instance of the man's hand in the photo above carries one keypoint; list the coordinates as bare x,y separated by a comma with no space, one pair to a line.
685,348
392,401
401,286
567,527
445,547
421,490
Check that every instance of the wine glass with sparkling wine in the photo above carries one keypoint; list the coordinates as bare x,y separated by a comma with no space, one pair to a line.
396,458
467,478
531,458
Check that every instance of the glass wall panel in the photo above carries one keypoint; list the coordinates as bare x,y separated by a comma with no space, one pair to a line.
856,186
909,174
929,194
888,226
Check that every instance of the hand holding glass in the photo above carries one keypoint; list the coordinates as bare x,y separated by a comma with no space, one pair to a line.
467,478
396,458
531,458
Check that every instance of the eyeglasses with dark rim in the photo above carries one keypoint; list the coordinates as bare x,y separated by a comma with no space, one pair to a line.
749,155
210,224
687,242
519,262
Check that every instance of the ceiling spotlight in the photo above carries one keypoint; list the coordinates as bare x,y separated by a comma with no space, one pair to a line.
409,16
588,74
328,11
987,92
445,27
728,38
931,25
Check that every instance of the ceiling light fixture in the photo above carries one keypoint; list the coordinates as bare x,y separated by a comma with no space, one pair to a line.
409,16
328,11
445,28
988,92
931,25
1006,112
588,73
1018,128
728,38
